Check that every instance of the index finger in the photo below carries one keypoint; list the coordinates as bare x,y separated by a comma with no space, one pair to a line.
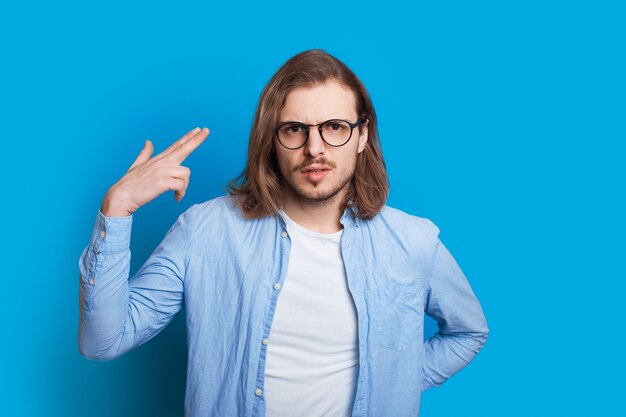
180,141
182,148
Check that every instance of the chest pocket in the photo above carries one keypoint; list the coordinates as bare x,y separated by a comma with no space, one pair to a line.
400,321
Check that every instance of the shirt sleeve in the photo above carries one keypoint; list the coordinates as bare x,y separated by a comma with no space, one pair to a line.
118,314
462,325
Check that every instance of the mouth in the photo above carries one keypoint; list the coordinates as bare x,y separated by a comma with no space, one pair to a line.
315,173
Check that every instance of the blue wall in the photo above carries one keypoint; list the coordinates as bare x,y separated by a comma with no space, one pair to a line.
503,122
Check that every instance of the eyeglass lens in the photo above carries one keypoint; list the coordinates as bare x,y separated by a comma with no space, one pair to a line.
335,132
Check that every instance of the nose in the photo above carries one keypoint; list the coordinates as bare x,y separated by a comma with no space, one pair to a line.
314,145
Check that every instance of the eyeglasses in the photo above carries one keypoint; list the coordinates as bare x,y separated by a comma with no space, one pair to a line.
335,132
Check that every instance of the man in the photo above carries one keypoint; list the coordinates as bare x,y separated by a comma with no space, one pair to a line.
305,295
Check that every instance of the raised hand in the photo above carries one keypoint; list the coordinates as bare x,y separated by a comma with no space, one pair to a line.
148,178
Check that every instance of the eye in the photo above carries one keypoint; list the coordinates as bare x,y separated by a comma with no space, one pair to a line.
335,125
291,129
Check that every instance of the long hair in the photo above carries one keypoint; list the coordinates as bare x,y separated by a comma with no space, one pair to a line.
259,188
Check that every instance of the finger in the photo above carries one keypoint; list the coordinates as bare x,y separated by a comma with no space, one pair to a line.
144,155
178,171
184,174
179,142
173,184
179,186
183,150
179,194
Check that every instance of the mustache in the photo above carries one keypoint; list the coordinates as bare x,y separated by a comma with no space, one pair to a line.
319,161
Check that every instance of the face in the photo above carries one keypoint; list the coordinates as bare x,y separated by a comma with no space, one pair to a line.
318,172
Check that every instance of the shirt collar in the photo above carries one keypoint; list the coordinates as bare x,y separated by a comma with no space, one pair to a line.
348,218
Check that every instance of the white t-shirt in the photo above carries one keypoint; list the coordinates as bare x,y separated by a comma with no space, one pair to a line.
312,355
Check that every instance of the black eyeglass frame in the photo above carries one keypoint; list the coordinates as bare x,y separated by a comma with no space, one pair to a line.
319,128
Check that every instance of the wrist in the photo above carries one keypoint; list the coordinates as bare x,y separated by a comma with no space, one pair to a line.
115,205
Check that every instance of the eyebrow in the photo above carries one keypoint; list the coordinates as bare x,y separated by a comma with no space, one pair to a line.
298,121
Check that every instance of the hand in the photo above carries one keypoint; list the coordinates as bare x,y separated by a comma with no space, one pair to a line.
148,178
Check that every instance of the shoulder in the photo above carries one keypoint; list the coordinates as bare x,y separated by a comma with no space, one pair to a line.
400,220
401,239
222,210
222,205
222,217
411,232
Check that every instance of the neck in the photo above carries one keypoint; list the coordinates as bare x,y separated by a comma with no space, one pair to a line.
320,216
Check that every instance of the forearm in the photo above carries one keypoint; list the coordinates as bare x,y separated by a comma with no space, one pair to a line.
104,291
462,324
118,313
447,354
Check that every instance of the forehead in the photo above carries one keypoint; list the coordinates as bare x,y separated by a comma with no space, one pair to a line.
320,102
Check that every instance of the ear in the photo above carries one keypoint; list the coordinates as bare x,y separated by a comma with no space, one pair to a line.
363,135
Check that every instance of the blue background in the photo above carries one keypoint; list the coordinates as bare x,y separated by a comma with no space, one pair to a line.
503,122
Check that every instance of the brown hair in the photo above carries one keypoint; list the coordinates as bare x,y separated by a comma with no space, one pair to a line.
259,187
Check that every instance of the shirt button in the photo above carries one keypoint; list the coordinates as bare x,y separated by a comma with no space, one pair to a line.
103,233
258,392
265,341
277,286
284,234
91,281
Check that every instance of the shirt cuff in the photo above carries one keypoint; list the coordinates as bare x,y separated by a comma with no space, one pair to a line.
111,234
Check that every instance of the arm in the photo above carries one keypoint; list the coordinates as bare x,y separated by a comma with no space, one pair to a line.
118,314
462,325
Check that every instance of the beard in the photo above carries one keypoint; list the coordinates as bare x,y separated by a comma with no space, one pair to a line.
319,195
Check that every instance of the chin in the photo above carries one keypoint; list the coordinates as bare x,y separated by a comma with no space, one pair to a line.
317,194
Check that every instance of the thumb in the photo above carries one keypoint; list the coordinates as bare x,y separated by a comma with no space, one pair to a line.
144,155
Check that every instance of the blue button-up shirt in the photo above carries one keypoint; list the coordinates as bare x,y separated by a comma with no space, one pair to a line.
228,271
